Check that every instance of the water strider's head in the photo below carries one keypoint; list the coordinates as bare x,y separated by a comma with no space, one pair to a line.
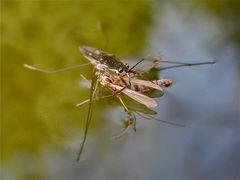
90,54
96,56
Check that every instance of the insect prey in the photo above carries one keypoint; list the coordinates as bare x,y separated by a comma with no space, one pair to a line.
110,72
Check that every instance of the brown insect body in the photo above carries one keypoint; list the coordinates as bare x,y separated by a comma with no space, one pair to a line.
142,86
109,81
96,56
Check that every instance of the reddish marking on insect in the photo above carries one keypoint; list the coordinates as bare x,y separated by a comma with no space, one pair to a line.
163,82
107,80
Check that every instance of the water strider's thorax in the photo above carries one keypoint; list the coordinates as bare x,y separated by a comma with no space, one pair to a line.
96,56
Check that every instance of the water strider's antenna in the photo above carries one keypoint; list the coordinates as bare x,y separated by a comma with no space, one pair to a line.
135,65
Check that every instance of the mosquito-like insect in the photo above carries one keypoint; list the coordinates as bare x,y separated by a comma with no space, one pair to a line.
108,81
143,86
139,86
114,83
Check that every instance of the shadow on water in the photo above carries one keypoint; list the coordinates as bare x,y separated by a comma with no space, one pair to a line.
41,128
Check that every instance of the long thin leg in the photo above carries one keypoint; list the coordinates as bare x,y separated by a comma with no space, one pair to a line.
83,102
126,85
134,122
119,91
186,64
87,100
177,64
89,114
124,106
57,70
125,130
129,122
84,78
149,117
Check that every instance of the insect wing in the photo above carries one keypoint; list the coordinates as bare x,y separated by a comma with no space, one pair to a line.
146,83
149,102
133,105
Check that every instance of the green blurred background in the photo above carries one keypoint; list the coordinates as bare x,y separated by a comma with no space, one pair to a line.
41,128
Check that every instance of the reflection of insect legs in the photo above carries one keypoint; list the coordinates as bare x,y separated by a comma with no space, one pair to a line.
130,121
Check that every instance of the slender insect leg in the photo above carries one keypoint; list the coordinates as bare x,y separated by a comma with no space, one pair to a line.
124,106
87,100
123,80
119,91
149,117
83,102
126,86
181,64
89,114
129,121
129,124
84,78
57,70
89,83
134,122
157,61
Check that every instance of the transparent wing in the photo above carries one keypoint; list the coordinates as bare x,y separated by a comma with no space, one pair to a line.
147,101
146,83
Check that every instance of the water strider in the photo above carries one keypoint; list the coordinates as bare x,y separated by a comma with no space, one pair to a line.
102,62
109,71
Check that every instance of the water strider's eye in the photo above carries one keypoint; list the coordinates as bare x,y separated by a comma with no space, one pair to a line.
120,70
